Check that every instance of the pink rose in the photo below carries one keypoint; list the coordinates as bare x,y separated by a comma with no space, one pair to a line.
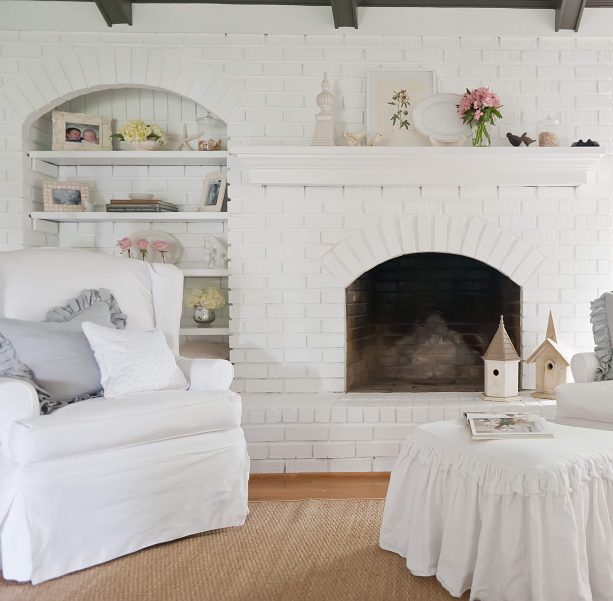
161,245
142,244
124,244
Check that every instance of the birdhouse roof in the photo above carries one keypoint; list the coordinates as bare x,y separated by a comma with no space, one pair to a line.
549,343
501,348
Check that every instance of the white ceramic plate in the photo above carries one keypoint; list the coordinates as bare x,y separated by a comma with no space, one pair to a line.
437,118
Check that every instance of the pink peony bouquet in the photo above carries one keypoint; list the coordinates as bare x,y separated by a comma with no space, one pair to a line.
478,109
162,247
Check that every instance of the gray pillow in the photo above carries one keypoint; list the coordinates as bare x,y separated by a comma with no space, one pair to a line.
602,326
56,357
60,358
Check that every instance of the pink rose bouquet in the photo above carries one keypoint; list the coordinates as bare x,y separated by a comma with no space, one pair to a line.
143,247
162,247
125,244
478,109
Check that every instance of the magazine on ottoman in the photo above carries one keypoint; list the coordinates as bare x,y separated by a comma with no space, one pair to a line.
489,426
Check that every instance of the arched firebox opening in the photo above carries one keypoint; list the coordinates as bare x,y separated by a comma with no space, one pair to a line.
421,322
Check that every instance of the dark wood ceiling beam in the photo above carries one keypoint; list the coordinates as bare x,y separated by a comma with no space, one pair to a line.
345,13
569,13
115,11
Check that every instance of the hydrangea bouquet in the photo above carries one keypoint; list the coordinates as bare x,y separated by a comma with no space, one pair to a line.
210,298
479,109
139,131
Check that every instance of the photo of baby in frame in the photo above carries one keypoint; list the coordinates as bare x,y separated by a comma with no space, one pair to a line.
214,192
80,131
65,196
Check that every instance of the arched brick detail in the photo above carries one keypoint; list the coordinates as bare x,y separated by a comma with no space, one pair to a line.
389,238
85,69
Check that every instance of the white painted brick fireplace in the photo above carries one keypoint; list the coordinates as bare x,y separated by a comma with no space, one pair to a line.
294,248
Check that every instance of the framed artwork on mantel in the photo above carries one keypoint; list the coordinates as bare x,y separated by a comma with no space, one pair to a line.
419,85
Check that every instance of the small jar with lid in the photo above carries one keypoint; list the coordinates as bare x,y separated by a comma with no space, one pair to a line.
212,133
549,132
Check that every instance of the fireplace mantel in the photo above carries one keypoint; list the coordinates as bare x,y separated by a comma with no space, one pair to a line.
410,166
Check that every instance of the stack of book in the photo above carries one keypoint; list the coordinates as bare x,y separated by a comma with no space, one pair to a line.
488,426
140,206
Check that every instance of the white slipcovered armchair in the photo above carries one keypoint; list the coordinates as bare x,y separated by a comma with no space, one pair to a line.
105,477
586,403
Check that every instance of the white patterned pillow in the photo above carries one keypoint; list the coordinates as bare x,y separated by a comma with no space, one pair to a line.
132,361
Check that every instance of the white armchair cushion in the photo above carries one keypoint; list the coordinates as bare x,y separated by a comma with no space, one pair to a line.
133,361
591,401
103,424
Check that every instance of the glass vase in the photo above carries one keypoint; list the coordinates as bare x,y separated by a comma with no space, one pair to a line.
203,317
213,133
481,136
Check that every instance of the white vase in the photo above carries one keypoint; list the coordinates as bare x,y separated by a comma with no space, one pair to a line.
144,144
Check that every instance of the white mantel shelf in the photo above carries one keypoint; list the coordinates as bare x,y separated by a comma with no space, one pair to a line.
410,166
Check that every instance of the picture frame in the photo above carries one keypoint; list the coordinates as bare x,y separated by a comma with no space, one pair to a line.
65,196
214,192
419,83
80,131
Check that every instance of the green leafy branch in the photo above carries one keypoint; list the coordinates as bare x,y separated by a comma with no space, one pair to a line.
400,101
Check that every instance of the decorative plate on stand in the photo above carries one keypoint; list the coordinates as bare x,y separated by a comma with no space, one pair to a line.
171,256
437,118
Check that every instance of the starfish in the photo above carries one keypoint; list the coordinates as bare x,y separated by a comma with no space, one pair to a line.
184,144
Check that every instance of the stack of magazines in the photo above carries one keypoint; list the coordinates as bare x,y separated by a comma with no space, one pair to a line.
488,426
140,206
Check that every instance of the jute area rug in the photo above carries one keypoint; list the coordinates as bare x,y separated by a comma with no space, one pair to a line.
311,550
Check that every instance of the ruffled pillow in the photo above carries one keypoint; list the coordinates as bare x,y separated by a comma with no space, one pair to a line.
85,308
602,327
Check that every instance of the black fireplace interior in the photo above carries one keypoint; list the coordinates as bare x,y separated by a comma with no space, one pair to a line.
421,322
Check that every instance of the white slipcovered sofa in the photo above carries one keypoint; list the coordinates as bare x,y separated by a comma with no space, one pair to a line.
104,477
585,403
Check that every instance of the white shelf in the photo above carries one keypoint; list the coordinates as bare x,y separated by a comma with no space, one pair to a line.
210,331
126,157
408,166
97,216
193,270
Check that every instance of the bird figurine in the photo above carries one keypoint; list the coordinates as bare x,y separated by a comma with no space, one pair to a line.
355,139
517,140
185,139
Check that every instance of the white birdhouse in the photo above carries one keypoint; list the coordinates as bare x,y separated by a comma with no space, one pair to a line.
552,364
501,368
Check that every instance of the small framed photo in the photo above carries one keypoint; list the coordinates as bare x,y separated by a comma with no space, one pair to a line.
80,131
214,192
382,84
65,196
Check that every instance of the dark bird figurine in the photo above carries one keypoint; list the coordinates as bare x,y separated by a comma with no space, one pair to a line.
517,140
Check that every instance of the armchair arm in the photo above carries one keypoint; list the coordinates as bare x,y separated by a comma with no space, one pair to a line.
584,366
207,374
18,400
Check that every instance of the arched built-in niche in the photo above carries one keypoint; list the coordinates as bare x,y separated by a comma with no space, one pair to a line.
86,70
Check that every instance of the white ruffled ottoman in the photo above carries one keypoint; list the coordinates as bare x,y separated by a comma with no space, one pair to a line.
512,520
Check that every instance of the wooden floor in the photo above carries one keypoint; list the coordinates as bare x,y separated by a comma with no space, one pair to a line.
292,487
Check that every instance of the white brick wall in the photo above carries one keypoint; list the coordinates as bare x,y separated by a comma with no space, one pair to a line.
554,242
354,432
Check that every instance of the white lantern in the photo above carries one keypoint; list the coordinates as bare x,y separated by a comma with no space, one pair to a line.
501,368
